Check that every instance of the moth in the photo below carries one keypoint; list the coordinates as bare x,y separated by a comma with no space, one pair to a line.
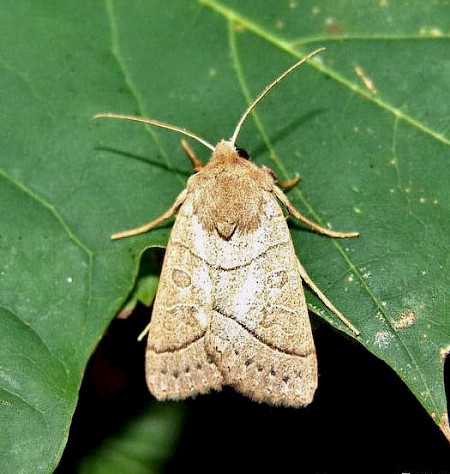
230,307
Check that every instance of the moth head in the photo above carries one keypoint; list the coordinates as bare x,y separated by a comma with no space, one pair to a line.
226,152
232,142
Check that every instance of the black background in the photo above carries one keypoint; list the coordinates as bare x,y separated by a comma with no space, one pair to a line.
363,418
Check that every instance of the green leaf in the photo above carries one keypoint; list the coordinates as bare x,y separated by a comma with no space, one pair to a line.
144,445
373,158
144,290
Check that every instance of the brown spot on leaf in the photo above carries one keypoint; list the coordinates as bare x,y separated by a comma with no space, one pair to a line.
444,352
444,425
405,319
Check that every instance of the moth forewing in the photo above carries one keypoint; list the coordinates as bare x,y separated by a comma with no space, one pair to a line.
259,335
230,307
177,364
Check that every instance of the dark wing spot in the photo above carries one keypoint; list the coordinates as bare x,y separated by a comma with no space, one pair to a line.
181,278
277,279
226,228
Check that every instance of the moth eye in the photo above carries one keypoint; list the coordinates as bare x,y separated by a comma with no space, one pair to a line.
181,278
242,153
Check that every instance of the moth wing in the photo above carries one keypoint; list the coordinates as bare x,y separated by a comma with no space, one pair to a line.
260,336
177,364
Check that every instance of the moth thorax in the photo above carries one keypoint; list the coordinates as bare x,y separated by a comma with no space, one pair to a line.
228,200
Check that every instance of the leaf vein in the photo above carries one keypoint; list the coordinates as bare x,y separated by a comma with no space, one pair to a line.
290,48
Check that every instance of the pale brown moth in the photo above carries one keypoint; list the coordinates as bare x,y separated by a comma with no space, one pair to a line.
230,307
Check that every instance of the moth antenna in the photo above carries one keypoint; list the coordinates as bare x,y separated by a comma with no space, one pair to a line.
267,89
157,123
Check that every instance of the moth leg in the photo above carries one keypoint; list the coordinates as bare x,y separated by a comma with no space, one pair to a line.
306,278
196,163
144,332
318,228
150,225
288,184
